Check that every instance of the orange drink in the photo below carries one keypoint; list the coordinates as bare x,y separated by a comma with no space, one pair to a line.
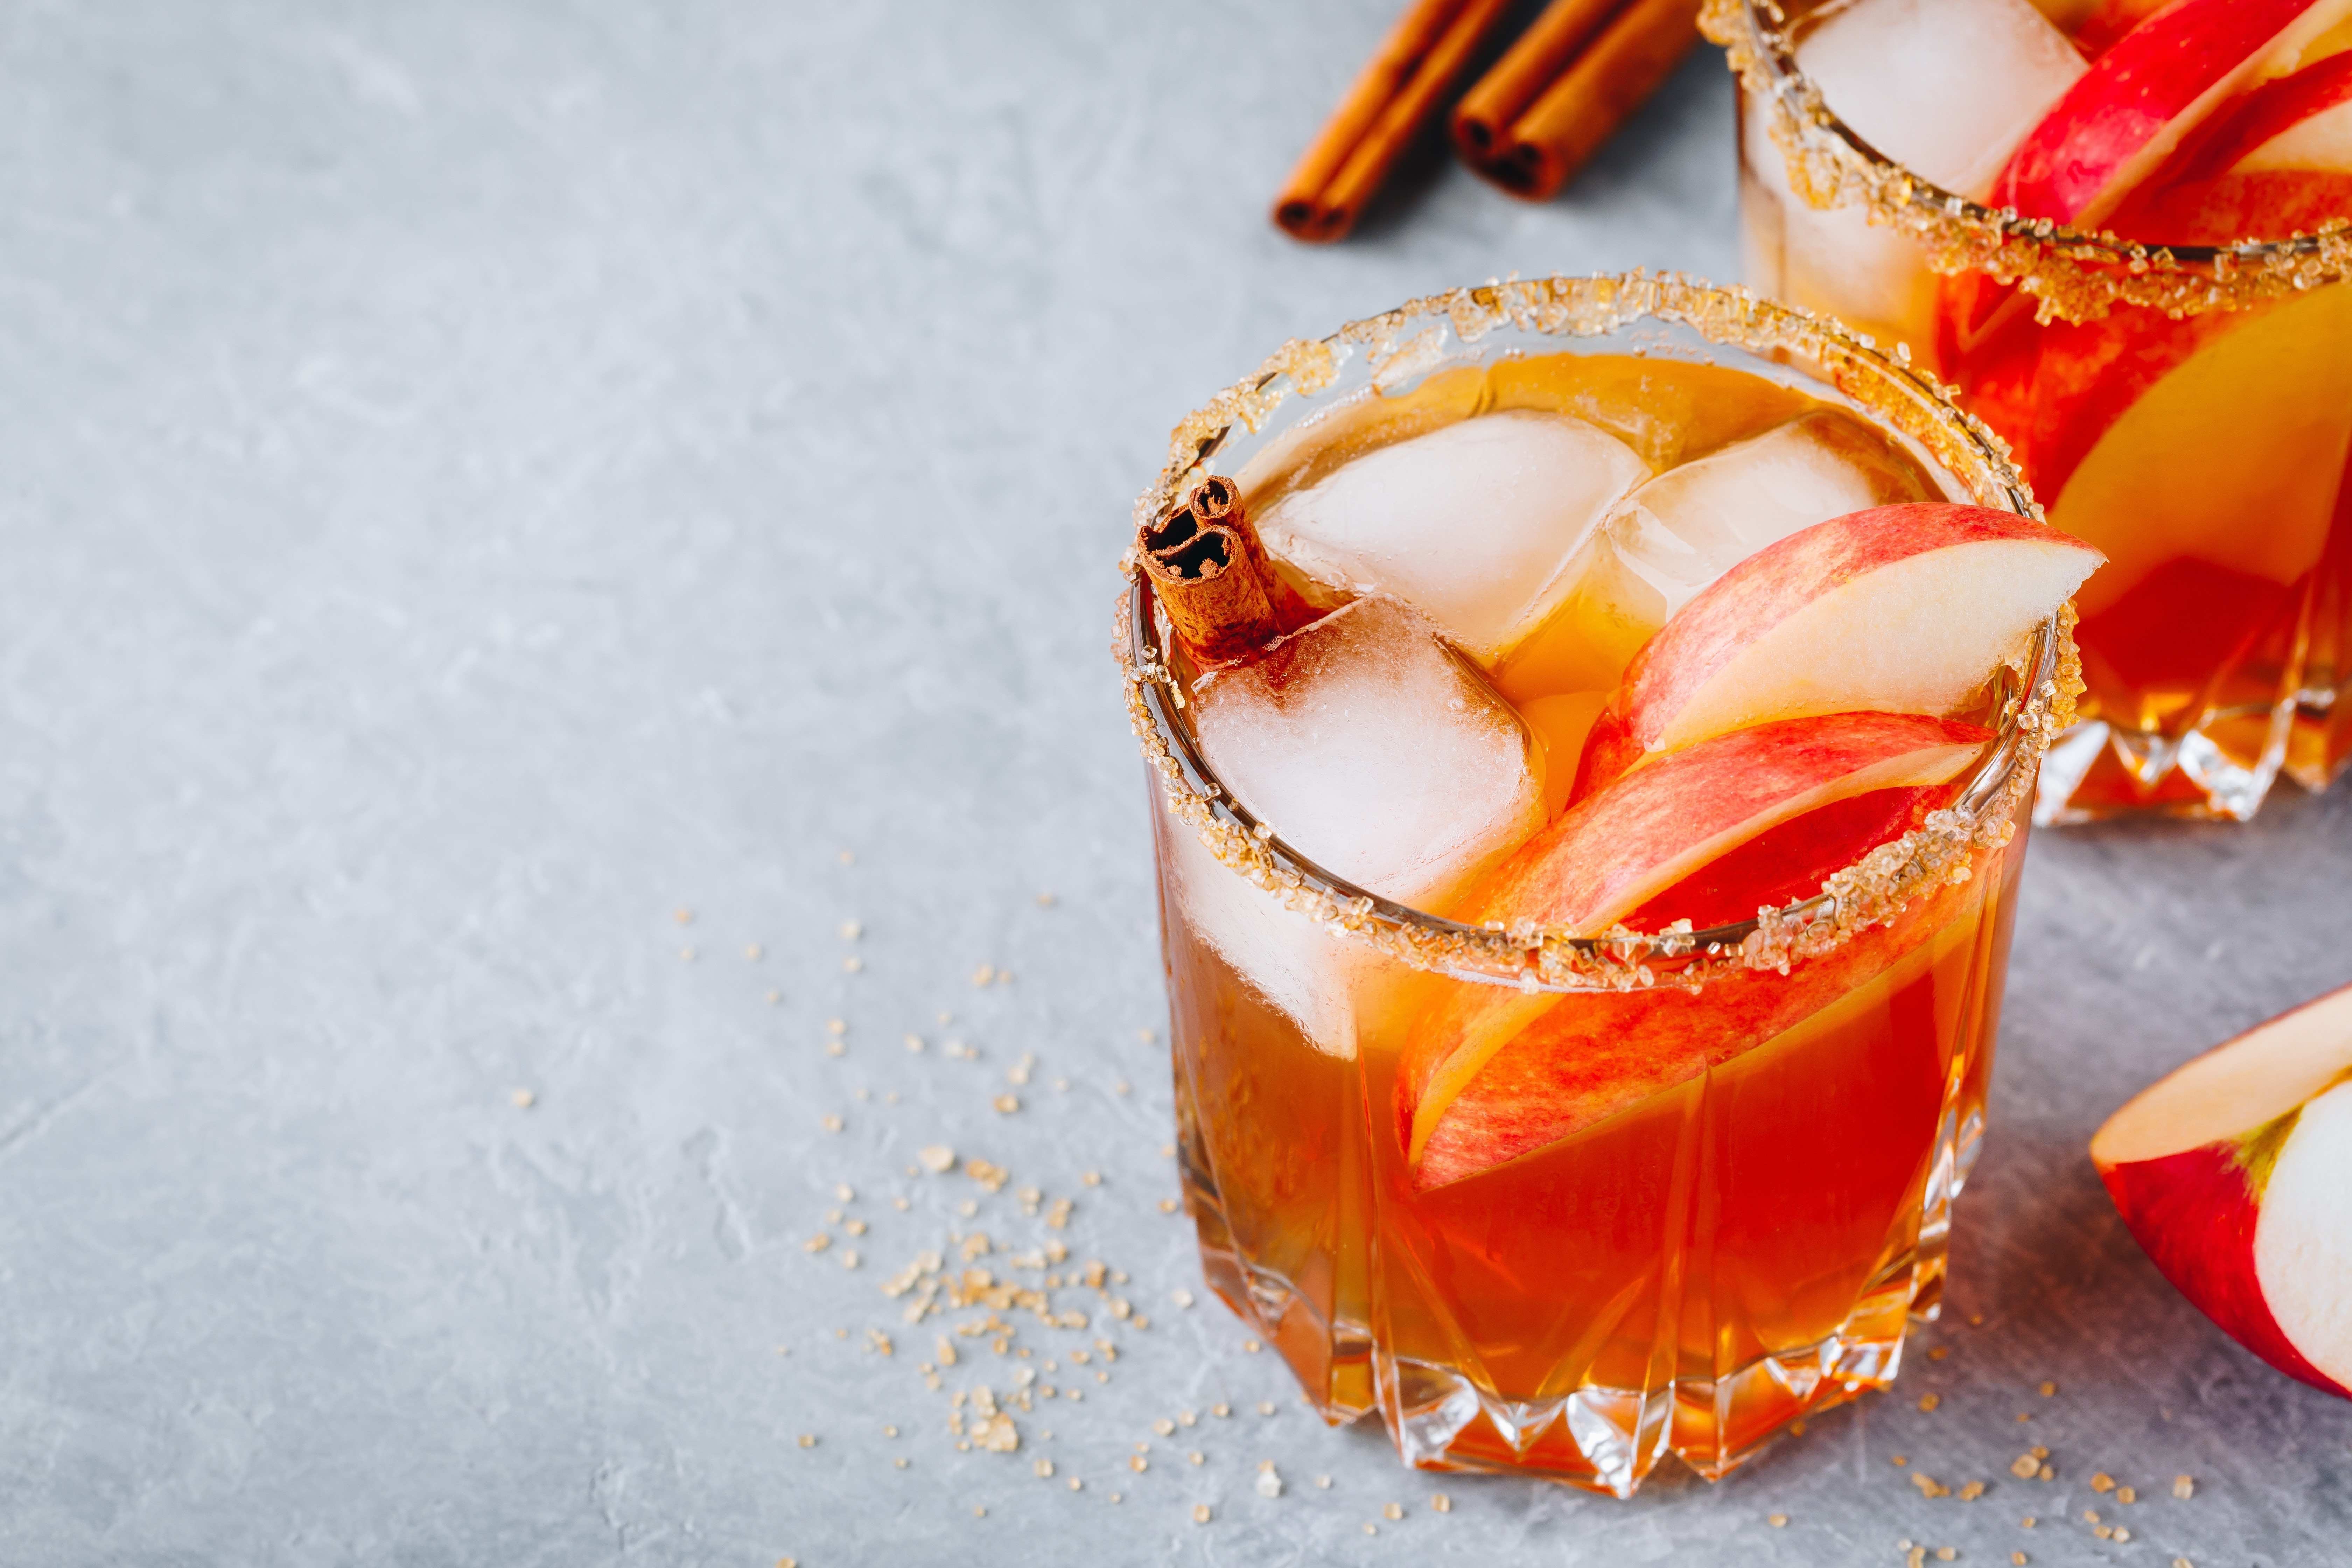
1592,724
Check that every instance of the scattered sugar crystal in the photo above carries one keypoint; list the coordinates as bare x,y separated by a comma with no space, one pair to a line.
1471,523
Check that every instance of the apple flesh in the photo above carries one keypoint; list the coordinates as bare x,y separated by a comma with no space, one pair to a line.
2148,92
1607,856
1899,609
2232,1174
1635,840
1563,1065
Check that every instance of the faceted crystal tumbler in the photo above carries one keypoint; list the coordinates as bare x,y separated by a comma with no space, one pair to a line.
2187,408
1746,1240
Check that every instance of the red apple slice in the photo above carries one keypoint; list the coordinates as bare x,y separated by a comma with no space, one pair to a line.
1790,861
1566,1067
2233,1174
2126,116
1900,608
1648,831
1607,856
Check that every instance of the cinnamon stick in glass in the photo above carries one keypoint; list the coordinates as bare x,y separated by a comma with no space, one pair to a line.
1614,74
1376,121
1208,573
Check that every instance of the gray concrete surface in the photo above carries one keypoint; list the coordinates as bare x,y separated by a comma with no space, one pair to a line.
480,478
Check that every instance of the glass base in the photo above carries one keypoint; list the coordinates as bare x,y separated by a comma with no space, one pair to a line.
1598,1438
2222,770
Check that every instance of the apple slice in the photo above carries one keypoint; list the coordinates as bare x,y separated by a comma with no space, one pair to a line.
1648,831
1792,861
2232,1173
1607,856
2126,116
1570,1064
1901,608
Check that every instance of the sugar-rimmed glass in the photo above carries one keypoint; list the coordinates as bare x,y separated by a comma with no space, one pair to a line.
1719,1258
2218,643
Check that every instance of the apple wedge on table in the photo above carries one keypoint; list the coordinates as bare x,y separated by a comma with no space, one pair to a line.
2235,1174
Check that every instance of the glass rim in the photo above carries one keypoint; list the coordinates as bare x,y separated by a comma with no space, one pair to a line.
2077,273
1530,956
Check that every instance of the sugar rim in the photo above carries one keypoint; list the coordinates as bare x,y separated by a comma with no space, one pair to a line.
2073,276
1399,343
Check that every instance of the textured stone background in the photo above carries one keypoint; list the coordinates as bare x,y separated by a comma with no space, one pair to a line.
477,479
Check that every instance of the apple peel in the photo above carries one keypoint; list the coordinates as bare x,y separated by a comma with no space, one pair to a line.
1900,608
2232,1171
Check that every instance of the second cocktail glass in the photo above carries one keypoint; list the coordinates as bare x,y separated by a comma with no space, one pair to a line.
2187,410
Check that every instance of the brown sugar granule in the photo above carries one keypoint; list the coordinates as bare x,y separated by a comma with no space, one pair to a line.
1196,1457
2121,1533
2018,1558
1440,1503
1929,1485
2090,1516
2028,1523
830,1124
1929,1401
2025,1467
1896,1460
1971,1491
2184,1487
1168,1205
808,1439
2048,1389
1372,1529
1391,1511
1138,1463
1006,1104
2102,1482
1946,1554
2049,1472
1939,1352
1265,1408
1199,1513
2127,1495
1777,1521
1221,1410
1251,1346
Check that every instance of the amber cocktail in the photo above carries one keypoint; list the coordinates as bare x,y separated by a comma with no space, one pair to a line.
2119,228
1590,726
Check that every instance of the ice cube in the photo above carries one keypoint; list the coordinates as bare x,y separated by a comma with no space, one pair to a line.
1376,752
1946,88
1680,531
1470,525
1691,524
1382,755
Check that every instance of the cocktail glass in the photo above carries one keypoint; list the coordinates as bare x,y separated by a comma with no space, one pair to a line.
1753,1192
2187,409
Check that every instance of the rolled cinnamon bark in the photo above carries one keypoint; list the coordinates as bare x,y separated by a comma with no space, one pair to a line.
1616,73
1209,573
1482,119
1376,121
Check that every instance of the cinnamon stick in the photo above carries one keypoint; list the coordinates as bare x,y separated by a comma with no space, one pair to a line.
1209,573
1615,75
1376,121
1482,119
